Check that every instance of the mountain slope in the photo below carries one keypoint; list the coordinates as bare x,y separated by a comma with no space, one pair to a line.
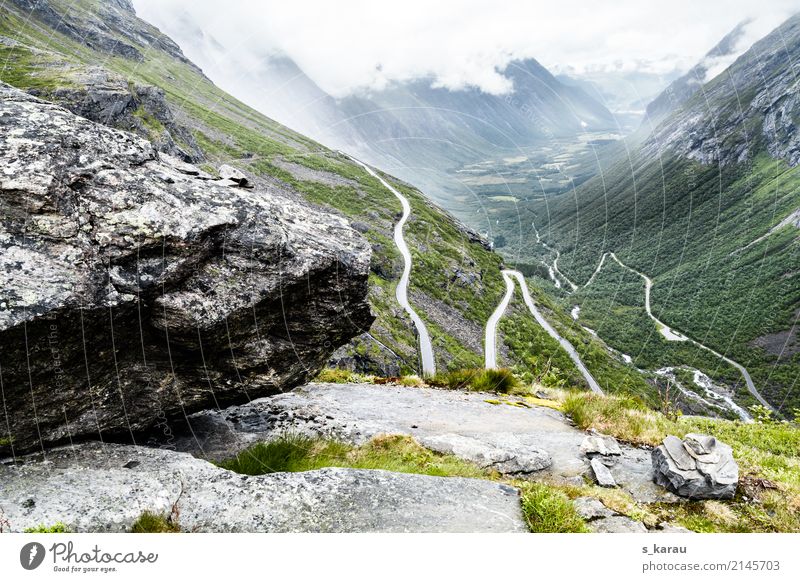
153,90
707,207
682,88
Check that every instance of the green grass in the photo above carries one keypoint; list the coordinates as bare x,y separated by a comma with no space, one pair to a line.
149,522
685,232
341,376
58,527
400,454
500,380
549,510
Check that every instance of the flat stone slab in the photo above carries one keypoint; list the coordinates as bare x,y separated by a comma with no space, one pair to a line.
602,474
515,440
600,445
105,487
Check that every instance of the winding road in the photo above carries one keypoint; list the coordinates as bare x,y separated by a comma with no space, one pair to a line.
668,333
401,293
672,335
491,328
490,350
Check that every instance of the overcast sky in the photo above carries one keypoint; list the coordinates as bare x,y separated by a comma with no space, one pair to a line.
346,46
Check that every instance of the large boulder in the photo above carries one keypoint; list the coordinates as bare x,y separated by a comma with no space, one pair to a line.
135,290
699,467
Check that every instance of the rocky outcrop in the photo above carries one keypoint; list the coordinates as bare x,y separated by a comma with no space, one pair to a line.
699,467
505,435
105,97
119,482
137,290
753,106
109,28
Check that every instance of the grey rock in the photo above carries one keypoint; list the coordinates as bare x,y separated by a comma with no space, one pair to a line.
357,412
231,174
711,475
601,519
89,488
600,445
169,292
602,474
699,444
618,524
107,98
678,453
589,508
502,454
512,440
113,28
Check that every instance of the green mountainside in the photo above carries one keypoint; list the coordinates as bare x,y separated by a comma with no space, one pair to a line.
709,208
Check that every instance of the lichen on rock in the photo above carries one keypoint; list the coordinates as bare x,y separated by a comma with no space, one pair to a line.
137,290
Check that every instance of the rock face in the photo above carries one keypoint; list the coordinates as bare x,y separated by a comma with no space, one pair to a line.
699,467
737,113
118,482
136,290
109,27
107,98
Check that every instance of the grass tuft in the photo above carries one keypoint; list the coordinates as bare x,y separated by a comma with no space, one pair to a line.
502,381
341,376
548,510
150,522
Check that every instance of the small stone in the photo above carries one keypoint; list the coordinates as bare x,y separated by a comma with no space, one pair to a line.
677,452
602,475
230,173
600,445
618,524
589,508
700,444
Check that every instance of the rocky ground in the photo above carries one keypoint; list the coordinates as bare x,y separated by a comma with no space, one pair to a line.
95,486
515,439
106,487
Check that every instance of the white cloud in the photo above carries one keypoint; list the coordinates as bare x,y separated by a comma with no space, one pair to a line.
347,46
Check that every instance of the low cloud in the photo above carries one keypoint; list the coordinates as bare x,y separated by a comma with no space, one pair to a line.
354,46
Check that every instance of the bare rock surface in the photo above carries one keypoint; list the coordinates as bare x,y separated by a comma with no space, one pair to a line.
96,487
135,290
514,440
697,467
601,519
